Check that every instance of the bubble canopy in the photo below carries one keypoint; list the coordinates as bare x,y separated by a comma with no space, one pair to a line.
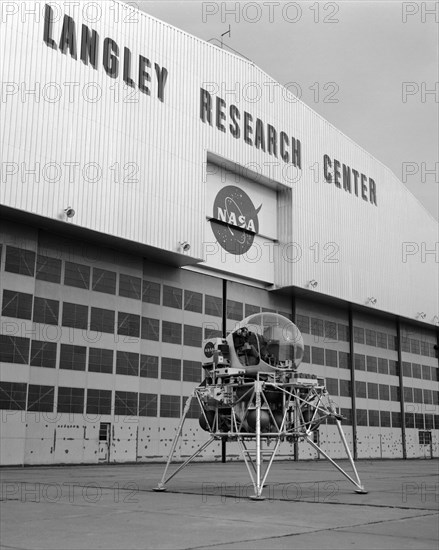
268,339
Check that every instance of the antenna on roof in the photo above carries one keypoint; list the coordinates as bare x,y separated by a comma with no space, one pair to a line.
229,32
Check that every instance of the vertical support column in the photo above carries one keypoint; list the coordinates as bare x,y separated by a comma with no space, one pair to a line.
352,369
224,331
401,388
293,318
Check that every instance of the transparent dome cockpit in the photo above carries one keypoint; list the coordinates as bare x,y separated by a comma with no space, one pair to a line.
270,339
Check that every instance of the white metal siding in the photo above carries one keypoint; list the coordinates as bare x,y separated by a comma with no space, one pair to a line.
168,142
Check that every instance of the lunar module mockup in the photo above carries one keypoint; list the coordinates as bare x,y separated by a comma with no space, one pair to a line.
253,394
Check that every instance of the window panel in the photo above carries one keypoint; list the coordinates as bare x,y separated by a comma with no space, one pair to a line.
303,324
17,304
393,367
172,296
171,332
332,386
130,287
384,392
385,419
343,333
406,369
194,408
13,396
149,366
374,418
382,340
213,306
98,401
234,310
415,346
424,349
395,393
40,398
360,389
416,370
251,310
74,315
330,331
359,361
150,329
317,327
371,337
147,404
318,356
383,366
14,349
70,400
102,320
343,360
171,368
192,371
48,269
193,301
347,416
151,292
77,275
408,395
372,390
426,372
419,421
330,358
72,357
392,342
170,406
127,363
396,419
192,336
428,397
46,311
128,324
361,417
213,333
20,261
345,388
104,281
306,355
417,395
359,335
43,354
125,403
100,360
372,364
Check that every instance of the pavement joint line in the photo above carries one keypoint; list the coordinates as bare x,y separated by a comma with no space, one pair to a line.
293,500
312,532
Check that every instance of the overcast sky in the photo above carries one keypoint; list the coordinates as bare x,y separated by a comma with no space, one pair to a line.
367,49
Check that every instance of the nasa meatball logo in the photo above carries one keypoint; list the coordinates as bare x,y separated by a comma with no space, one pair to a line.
238,219
209,348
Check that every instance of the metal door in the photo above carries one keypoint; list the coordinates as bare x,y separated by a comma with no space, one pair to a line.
104,441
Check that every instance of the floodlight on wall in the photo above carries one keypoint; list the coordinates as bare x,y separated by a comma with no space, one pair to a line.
184,246
313,283
421,315
435,320
69,212
371,300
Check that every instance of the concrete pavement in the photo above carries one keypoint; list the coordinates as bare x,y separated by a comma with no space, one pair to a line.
308,505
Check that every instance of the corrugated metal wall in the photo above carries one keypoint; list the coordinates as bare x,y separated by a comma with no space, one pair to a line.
152,159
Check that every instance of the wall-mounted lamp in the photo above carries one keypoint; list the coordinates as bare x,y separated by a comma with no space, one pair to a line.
421,315
371,300
69,212
435,320
313,283
184,246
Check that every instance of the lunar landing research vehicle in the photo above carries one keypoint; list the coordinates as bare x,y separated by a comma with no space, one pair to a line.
254,395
